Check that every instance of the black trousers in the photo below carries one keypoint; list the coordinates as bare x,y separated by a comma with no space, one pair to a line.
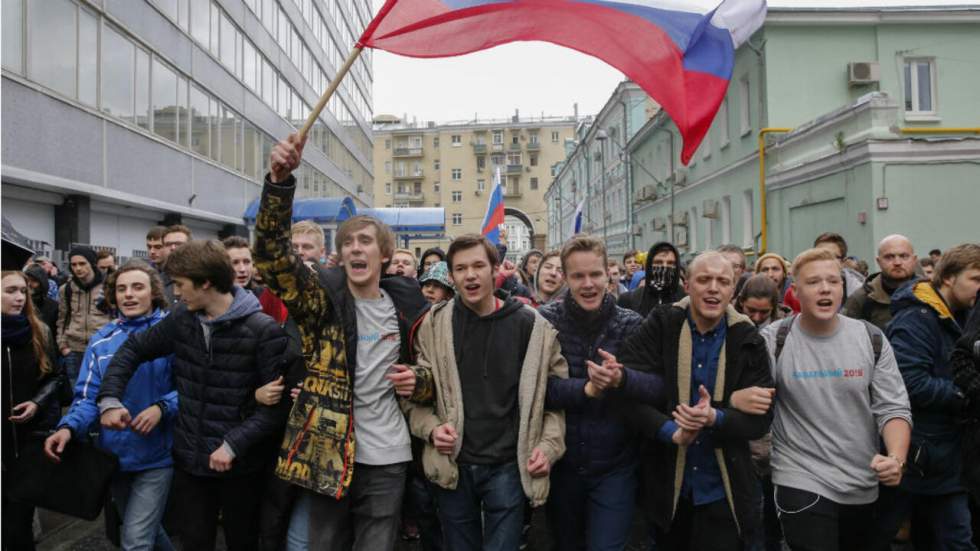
814,523
201,499
711,526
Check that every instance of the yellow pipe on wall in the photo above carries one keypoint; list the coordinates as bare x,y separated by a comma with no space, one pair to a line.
764,238
940,130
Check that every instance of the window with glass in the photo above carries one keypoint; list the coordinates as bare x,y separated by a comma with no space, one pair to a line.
118,71
457,219
457,174
498,137
199,117
920,87
13,35
88,60
745,106
457,197
52,36
164,96
534,182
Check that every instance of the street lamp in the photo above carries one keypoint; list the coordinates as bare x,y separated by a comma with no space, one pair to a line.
602,136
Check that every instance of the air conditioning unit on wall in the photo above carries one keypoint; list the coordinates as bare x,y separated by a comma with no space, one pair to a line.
860,73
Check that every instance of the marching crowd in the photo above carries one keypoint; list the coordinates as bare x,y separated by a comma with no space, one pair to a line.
305,400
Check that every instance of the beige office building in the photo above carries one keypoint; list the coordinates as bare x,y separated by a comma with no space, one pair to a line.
453,166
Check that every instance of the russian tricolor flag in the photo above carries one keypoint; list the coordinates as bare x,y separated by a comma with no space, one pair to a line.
681,52
495,211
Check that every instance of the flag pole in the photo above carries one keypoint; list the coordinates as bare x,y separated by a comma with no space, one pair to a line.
354,54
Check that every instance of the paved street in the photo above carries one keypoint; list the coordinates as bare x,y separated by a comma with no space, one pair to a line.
66,534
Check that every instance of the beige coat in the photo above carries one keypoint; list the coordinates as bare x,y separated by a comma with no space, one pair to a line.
539,428
85,320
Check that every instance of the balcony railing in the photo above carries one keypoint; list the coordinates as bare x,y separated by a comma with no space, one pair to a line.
408,152
534,146
409,174
410,196
515,169
514,147
512,189
479,148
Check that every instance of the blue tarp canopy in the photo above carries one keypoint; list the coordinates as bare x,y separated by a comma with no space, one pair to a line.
322,210
411,220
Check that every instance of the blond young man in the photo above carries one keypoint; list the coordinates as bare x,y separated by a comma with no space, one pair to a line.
838,390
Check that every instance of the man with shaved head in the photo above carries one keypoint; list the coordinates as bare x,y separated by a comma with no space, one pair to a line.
872,302
700,487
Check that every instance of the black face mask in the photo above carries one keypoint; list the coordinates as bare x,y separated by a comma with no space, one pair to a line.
663,277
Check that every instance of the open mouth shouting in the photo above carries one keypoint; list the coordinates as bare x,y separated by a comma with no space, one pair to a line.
358,267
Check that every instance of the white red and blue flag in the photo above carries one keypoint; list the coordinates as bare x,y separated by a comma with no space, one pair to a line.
681,52
494,217
577,218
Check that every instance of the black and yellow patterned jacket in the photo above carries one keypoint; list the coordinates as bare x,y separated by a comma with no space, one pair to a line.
317,452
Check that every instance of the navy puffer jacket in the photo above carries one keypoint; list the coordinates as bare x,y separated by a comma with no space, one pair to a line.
923,333
596,439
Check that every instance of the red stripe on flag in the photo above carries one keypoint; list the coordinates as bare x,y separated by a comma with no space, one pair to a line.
641,50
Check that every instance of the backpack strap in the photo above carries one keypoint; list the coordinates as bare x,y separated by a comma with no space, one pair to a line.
782,333
877,339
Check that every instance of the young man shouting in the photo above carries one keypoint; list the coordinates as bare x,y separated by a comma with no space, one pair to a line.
838,391
699,482
347,444
490,440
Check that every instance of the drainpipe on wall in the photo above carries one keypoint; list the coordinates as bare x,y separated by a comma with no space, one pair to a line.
764,238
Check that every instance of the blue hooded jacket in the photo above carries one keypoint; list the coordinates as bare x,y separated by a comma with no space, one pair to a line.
923,333
151,383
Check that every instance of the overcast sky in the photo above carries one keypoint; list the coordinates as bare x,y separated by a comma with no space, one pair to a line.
533,77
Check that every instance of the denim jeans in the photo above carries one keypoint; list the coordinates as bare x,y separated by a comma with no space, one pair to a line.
298,535
945,518
142,500
766,535
485,511
73,365
593,512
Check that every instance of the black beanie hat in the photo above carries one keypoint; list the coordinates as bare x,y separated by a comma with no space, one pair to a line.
86,252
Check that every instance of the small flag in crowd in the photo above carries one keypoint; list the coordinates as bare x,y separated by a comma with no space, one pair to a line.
681,52
577,219
495,211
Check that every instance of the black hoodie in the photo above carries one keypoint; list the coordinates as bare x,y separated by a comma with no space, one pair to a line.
490,354
45,308
644,299
434,250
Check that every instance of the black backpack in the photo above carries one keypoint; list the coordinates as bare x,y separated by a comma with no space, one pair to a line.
877,338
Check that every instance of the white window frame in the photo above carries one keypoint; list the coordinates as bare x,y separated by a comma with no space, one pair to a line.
745,105
457,197
748,219
481,185
457,219
723,124
387,188
457,140
457,174
916,113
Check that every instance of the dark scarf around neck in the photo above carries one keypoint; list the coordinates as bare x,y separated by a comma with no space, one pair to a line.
16,329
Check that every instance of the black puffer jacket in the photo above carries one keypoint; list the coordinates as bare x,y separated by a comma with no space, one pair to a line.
216,374
597,440
643,299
